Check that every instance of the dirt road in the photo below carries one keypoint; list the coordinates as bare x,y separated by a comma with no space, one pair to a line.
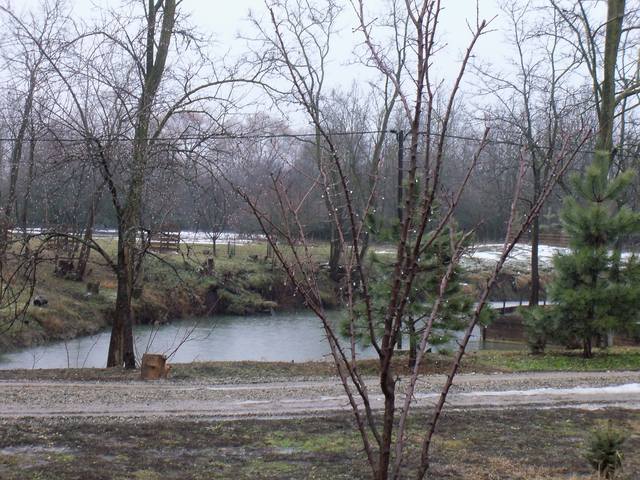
279,399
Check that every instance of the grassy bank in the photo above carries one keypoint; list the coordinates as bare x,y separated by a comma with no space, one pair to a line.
232,371
473,445
174,286
489,361
617,358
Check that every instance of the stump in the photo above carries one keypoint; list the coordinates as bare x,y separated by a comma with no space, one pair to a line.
93,288
208,267
63,268
154,366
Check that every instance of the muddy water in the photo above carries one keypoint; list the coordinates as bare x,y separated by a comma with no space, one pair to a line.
285,336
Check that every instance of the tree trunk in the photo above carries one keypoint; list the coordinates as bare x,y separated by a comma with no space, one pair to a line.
388,389
586,348
121,344
615,16
16,151
85,251
335,252
413,344
27,193
534,297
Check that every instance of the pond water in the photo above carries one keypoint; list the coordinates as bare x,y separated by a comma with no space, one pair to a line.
283,336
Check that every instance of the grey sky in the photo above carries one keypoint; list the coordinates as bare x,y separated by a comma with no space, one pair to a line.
226,19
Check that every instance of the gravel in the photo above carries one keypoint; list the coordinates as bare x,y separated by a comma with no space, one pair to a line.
293,397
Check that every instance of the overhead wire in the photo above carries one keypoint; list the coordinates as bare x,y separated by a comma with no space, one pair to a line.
302,135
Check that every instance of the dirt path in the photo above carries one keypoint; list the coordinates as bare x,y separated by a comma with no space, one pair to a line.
280,399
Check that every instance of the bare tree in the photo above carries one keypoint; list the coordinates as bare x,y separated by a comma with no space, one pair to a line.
611,71
427,214
298,49
27,64
537,104
151,71
120,93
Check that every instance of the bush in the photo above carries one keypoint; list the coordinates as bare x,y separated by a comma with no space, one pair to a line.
604,451
539,327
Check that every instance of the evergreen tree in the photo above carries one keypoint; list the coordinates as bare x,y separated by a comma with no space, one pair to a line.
452,314
595,290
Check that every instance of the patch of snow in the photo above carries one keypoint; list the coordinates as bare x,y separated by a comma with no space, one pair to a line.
630,388
186,236
486,255
612,389
253,402
384,251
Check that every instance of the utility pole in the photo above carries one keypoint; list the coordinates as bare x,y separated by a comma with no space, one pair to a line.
400,139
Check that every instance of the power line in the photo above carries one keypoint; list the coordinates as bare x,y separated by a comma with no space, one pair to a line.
298,136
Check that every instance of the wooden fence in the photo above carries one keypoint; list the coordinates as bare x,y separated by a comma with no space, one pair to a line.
165,239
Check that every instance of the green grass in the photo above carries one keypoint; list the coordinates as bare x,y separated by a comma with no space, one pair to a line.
488,361
617,358
331,442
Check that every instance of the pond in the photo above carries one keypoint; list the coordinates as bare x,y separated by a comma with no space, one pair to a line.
283,336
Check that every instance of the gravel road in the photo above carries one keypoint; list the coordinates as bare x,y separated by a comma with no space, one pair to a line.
294,398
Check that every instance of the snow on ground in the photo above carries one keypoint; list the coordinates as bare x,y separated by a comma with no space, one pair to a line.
486,255
628,388
483,256
204,238
477,258
186,236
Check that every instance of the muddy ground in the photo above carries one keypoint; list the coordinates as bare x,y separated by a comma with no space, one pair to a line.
480,445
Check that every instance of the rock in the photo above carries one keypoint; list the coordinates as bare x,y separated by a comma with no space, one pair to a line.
40,301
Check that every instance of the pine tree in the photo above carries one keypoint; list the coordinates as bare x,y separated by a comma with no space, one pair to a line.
595,290
457,305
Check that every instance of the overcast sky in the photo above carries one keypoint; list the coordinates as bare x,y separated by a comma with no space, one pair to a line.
226,20
229,18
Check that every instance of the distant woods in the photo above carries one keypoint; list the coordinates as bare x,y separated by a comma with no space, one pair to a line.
68,129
